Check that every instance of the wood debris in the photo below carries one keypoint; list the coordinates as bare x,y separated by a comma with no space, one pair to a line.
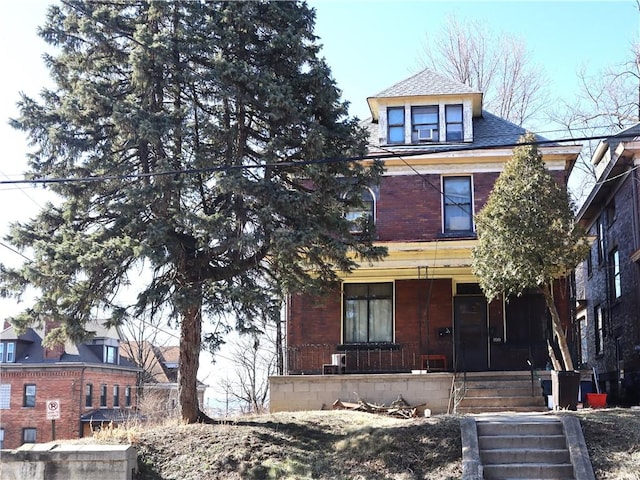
398,408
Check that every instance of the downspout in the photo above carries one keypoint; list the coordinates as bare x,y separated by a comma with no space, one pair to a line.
635,222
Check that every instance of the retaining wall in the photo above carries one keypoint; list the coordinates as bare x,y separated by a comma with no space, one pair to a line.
315,392
51,461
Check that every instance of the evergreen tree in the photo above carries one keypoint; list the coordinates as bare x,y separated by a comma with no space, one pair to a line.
526,234
188,134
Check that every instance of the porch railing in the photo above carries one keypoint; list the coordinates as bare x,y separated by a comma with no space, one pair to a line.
382,358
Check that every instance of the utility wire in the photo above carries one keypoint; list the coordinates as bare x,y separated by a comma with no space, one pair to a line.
390,154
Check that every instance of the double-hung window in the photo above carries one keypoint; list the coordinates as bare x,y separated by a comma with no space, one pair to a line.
368,312
395,125
110,354
456,204
7,352
127,396
453,119
28,435
424,124
103,395
365,212
29,399
599,330
116,395
614,265
88,395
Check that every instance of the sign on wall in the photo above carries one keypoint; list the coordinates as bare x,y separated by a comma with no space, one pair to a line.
53,409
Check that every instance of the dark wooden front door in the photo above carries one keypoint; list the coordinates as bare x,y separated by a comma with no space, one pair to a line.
470,323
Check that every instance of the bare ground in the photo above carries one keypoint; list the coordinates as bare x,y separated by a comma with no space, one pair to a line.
352,445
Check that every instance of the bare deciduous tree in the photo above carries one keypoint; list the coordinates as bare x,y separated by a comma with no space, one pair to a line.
499,65
606,102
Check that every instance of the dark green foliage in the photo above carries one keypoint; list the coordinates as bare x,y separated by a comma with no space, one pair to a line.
193,111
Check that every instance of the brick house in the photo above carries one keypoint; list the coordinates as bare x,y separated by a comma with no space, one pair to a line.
608,281
158,379
421,308
92,383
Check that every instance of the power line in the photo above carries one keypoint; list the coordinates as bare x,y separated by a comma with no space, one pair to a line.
293,163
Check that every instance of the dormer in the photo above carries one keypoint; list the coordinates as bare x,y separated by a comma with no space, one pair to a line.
425,109
106,349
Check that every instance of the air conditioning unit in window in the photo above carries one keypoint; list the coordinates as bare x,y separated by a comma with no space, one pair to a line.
426,134
339,359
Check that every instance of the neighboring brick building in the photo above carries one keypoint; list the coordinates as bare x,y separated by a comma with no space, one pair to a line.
92,383
608,282
158,379
421,307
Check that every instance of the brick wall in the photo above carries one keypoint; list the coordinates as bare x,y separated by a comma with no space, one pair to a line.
63,384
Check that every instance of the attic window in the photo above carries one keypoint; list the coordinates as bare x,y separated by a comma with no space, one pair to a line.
395,125
7,352
110,354
424,124
453,117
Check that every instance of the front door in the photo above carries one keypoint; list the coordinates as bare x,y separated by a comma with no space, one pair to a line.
470,323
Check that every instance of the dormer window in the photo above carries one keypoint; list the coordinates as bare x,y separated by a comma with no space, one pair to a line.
395,124
424,124
453,118
110,354
7,352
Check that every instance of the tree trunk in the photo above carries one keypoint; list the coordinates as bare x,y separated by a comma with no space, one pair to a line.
190,338
557,328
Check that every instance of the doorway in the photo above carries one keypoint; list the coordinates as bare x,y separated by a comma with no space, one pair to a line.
472,342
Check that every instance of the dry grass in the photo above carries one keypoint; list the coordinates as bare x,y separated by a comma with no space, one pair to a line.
347,445
305,445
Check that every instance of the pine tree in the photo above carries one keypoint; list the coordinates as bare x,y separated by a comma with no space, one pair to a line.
190,135
526,234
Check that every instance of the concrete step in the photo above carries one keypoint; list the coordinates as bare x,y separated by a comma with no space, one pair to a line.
506,456
504,401
528,470
525,428
487,442
485,391
482,409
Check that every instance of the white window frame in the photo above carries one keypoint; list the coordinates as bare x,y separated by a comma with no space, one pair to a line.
30,392
5,396
396,125
443,204
11,352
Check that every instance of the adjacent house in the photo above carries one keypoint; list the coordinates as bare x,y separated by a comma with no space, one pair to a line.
608,281
421,308
158,378
62,392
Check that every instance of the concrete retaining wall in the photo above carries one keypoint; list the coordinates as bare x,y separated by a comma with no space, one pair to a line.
314,392
51,461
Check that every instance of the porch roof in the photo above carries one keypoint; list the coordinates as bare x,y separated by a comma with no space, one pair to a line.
446,258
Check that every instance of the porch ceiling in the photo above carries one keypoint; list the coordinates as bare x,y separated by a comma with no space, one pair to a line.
412,260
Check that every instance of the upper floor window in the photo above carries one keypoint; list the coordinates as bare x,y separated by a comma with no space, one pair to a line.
456,204
590,262
116,395
616,286
5,396
601,240
395,125
453,118
29,399
357,216
127,396
424,124
7,352
368,312
103,395
88,395
1,438
110,354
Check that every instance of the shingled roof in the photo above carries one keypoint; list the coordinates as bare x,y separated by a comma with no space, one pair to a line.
426,82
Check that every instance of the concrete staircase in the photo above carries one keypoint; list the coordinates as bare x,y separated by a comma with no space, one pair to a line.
485,392
523,447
